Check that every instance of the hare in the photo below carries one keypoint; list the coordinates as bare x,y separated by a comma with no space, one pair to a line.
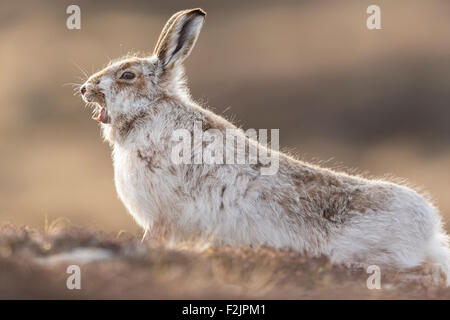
142,101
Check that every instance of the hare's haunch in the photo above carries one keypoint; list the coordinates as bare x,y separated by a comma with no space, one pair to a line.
143,101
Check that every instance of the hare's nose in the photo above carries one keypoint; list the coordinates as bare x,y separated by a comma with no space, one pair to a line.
83,90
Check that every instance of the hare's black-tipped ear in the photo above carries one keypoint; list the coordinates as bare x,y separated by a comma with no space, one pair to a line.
178,36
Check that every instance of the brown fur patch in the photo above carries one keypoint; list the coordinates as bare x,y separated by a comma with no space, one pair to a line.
131,63
126,123
149,160
138,86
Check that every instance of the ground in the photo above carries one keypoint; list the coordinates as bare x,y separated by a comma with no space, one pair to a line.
33,264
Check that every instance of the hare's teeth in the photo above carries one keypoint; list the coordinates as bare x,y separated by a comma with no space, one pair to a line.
101,114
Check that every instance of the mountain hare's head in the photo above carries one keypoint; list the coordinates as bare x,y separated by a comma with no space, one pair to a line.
127,86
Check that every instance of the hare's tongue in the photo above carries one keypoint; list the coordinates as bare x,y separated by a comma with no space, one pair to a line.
101,115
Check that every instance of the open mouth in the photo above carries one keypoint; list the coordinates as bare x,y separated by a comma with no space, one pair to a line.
101,114
97,100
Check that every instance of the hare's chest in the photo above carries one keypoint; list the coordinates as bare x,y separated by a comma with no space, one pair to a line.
136,185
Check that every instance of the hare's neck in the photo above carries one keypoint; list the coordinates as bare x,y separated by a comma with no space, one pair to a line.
161,119
123,125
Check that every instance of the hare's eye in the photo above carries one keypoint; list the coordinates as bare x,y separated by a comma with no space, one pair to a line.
127,75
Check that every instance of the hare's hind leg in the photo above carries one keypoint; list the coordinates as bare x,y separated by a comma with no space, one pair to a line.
380,240
407,235
438,254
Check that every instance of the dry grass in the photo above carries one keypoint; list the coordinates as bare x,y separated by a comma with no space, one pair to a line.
29,269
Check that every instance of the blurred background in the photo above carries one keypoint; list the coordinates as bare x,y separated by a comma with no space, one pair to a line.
370,102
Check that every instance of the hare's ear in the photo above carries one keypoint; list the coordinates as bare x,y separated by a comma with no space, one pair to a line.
178,36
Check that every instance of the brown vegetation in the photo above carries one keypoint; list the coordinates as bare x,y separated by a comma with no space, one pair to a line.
32,267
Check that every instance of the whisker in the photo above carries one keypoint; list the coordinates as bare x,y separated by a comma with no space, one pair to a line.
81,69
73,84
